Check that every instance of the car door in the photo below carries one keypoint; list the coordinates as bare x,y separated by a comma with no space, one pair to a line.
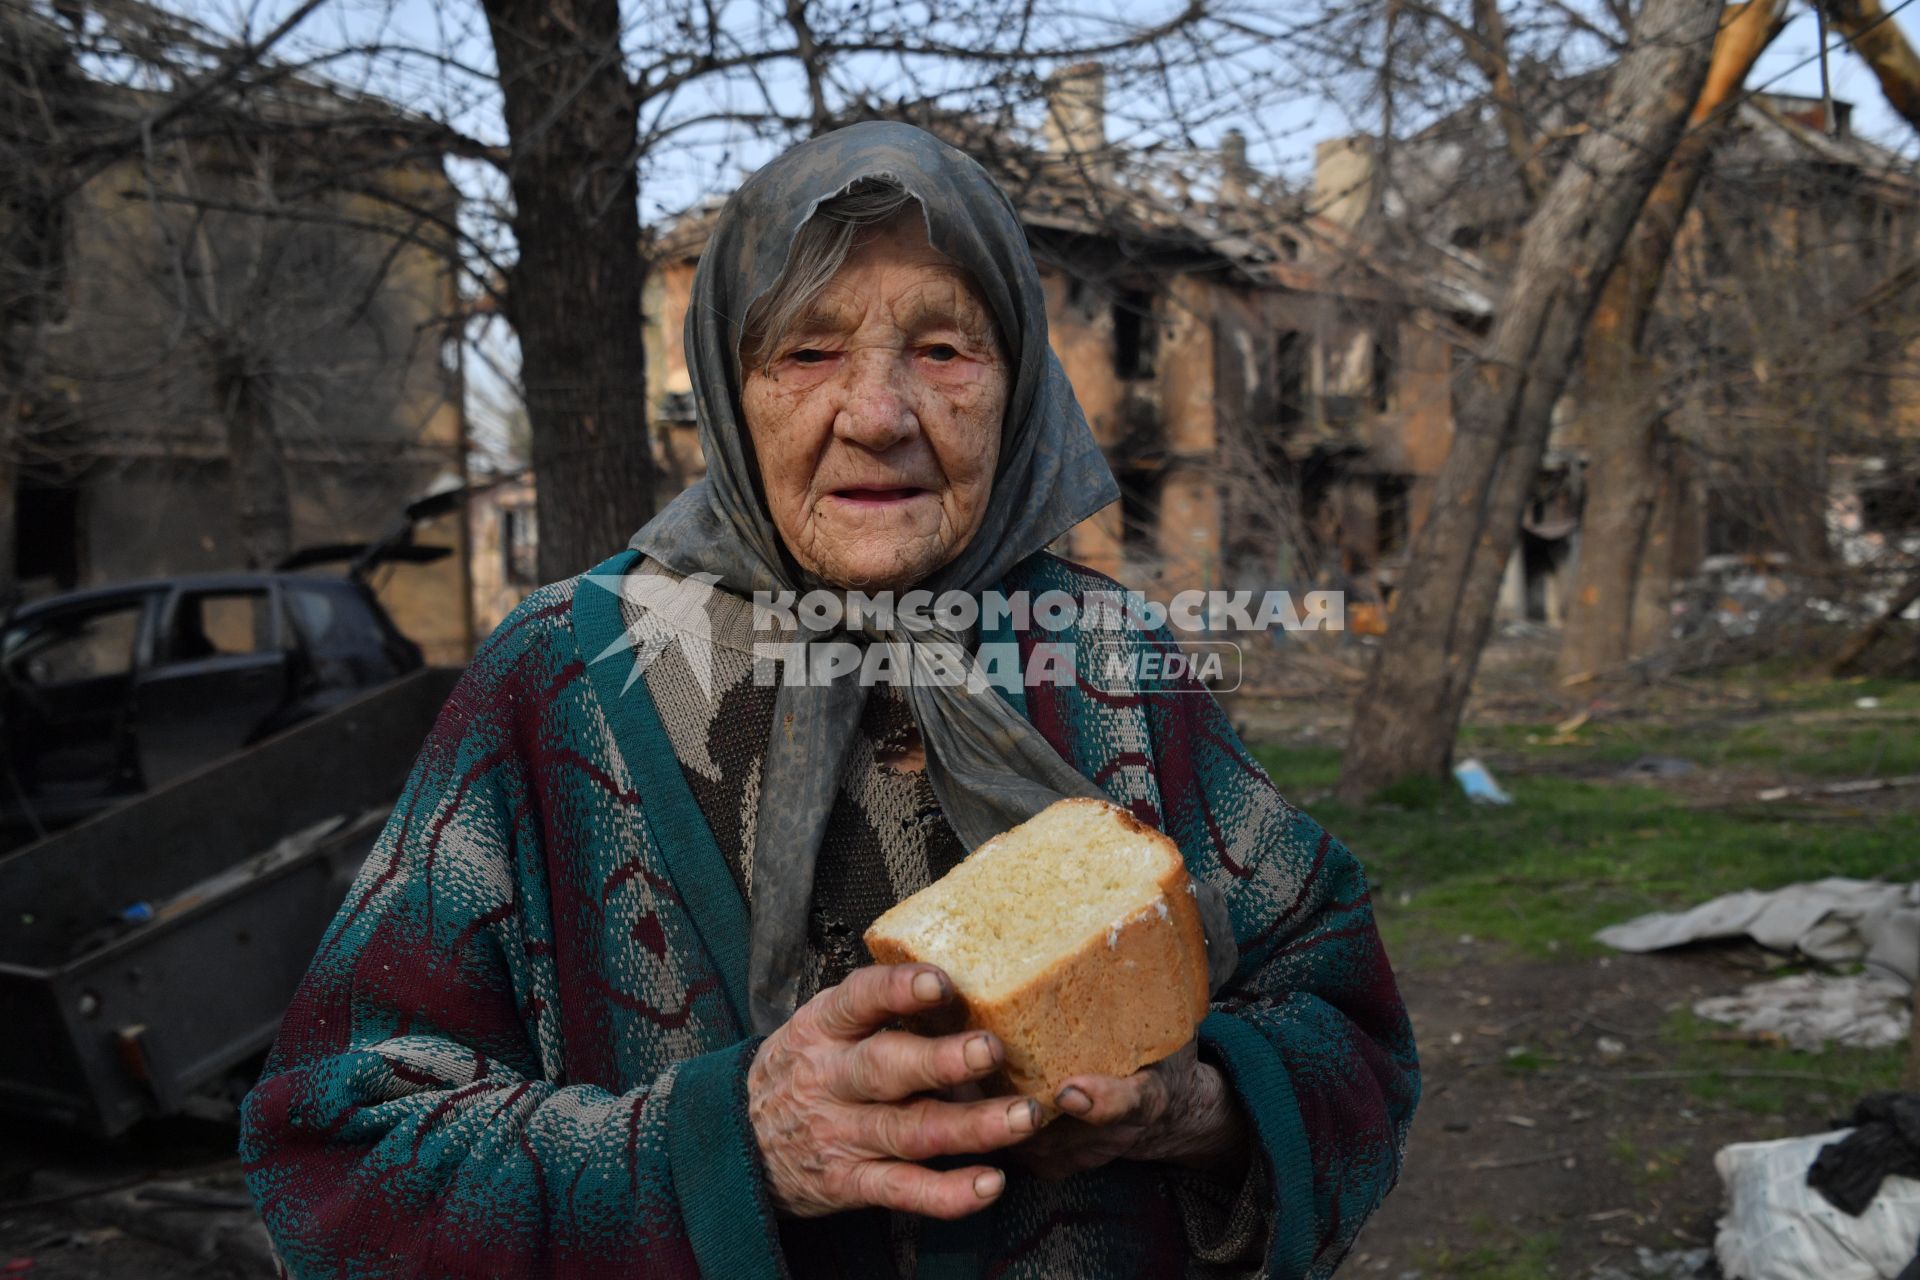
220,671
68,682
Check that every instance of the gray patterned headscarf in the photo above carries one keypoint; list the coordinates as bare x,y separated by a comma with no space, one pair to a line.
989,768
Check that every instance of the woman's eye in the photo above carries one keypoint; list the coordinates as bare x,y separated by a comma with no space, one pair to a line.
942,352
808,355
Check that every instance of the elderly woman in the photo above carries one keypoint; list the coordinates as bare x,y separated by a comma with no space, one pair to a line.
597,1004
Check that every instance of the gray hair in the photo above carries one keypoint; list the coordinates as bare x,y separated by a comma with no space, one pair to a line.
818,252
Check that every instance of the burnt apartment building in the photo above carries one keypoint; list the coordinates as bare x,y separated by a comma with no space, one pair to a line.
1274,396
243,343
1783,338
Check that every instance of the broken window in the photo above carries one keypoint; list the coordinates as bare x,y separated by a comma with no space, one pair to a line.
1292,381
1890,509
46,541
1136,338
75,646
220,624
1393,523
1140,513
1381,371
520,546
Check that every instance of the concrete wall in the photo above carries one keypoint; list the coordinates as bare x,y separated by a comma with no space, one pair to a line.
345,326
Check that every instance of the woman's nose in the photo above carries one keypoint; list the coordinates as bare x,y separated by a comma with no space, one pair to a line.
873,412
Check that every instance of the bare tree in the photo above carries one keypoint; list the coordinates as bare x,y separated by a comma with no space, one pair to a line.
1870,29
591,105
1409,712
38,108
573,293
1610,612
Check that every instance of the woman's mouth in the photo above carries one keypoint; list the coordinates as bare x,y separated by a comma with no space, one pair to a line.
874,496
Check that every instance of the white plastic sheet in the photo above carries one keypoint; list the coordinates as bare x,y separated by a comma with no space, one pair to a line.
1778,1228
1837,921
1812,1010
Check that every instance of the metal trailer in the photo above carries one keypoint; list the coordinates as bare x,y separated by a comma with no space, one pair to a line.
148,953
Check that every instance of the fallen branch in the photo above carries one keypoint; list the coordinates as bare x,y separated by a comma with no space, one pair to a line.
1732,1073
1856,787
1548,1157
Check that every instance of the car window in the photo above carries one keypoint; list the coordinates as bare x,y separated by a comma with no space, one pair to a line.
73,646
333,622
218,624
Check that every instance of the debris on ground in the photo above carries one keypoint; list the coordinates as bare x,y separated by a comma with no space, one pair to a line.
1809,1011
216,1225
1652,766
1477,781
1778,1228
1836,921
1857,786
1884,1143
1656,1264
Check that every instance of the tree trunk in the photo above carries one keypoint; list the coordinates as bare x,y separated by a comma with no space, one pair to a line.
1409,712
574,294
1848,659
257,465
1653,587
1619,408
1877,38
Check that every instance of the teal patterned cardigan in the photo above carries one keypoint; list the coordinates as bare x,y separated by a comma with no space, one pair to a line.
521,1047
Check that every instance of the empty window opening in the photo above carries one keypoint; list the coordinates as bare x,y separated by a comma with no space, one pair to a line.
1291,383
1382,374
1140,513
1393,523
1136,338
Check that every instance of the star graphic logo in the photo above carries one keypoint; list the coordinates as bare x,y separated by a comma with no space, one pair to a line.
669,609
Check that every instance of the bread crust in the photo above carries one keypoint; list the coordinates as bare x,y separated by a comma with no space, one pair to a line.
1125,997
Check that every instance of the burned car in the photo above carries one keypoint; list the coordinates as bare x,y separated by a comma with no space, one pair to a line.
107,692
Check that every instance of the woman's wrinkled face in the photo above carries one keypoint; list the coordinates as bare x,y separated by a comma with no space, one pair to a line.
877,421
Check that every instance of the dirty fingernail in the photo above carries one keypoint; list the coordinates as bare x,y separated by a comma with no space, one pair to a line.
927,986
988,1182
979,1053
1074,1100
1023,1116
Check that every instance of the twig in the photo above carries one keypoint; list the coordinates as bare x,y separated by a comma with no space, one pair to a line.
1547,1157
1732,1073
65,1197
1855,787
196,1198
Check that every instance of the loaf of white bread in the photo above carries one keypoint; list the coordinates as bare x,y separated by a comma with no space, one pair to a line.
1074,938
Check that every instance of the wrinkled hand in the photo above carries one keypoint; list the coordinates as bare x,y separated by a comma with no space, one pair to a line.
1179,1110
832,1098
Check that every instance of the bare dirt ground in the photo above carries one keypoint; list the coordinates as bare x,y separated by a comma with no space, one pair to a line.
1563,1169
75,1208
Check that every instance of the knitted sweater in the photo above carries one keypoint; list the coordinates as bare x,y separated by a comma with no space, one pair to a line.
520,1050
886,840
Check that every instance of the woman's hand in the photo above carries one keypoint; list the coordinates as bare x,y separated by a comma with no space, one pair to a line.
1179,1110
832,1101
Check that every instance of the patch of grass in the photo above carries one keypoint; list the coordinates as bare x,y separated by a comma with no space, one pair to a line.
1569,856
1657,1168
1802,725
1770,1080
1523,1061
1506,1254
